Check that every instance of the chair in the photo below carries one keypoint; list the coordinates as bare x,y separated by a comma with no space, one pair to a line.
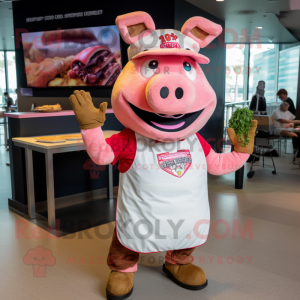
295,157
261,145
285,140
275,139
279,139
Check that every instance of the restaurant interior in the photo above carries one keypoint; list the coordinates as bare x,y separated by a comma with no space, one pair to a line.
58,201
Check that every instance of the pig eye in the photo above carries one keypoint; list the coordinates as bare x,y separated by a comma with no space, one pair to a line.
187,66
149,68
189,70
153,64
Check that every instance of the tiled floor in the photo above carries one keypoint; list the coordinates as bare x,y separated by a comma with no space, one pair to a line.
263,266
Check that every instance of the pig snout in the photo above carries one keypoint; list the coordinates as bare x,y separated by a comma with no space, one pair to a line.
170,94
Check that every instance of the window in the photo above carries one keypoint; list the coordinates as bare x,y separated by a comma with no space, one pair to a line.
235,58
263,60
2,77
11,74
8,77
289,71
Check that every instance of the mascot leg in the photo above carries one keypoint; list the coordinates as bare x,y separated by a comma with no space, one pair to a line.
180,269
123,265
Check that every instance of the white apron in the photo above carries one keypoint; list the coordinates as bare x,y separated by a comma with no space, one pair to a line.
162,200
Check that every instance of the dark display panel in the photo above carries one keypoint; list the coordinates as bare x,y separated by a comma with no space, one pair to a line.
72,57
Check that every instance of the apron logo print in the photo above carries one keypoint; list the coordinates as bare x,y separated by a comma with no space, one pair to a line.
175,164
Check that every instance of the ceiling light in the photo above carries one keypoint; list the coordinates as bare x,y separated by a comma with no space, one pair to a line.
219,0
12,36
259,27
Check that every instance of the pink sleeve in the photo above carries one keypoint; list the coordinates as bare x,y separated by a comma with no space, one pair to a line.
225,163
97,148
205,145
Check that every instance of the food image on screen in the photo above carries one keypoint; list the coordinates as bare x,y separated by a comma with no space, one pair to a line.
96,66
72,57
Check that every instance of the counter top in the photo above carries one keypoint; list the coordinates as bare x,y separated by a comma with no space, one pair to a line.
32,141
29,115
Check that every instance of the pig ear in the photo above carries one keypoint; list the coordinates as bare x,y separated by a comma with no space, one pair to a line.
134,26
201,30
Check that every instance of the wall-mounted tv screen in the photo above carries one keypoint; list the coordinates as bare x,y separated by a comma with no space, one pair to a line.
72,57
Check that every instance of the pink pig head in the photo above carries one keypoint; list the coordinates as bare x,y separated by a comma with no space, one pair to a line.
162,92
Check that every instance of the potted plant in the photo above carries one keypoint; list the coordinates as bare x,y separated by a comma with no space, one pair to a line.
241,130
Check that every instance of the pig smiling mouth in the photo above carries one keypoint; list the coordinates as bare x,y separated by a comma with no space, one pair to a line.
167,123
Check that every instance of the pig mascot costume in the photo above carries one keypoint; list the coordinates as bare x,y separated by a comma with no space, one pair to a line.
163,99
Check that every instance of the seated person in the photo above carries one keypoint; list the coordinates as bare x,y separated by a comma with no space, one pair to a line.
284,121
9,101
283,96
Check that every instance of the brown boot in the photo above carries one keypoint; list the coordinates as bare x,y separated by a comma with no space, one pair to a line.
187,276
119,285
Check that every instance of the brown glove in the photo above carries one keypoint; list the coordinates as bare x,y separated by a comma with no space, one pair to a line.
234,139
86,113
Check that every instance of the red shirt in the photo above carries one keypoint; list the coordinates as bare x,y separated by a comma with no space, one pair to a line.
124,146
